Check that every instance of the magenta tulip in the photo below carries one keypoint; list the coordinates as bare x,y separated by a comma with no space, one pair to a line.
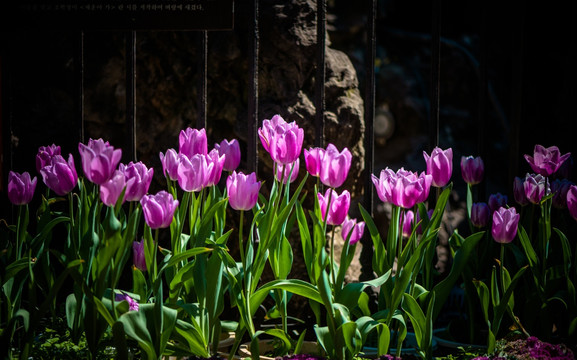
353,229
170,162
138,179
111,190
192,142
313,159
283,172
99,160
242,190
335,166
339,206
45,155
535,187
505,223
214,164
408,222
231,152
282,140
480,214
268,129
519,192
384,184
158,209
132,304
496,201
410,188
439,165
193,172
559,188
472,169
546,161
20,188
138,255
572,201
60,176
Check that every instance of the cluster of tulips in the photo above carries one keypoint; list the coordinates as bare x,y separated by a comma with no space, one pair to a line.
197,270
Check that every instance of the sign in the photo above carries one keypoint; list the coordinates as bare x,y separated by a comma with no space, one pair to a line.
117,14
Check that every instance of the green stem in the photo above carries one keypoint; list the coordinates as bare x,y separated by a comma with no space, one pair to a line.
240,240
332,272
154,265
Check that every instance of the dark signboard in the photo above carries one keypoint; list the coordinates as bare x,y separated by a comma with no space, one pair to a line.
118,14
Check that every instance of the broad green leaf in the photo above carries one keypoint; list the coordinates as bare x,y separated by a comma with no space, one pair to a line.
296,286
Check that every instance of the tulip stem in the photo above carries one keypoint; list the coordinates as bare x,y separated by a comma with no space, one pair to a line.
154,266
240,242
332,272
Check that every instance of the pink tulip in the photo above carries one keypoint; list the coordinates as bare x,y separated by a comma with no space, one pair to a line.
353,229
282,140
231,152
505,223
138,179
268,129
410,188
546,161
408,222
20,188
535,187
335,166
111,190
284,171
45,155
440,165
170,162
215,164
158,209
192,142
242,190
60,176
132,304
518,192
193,172
384,184
313,159
472,169
99,160
572,201
138,255
339,206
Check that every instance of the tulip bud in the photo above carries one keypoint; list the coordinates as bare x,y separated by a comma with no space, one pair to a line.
496,201
45,155
480,214
284,171
472,169
282,140
111,190
138,255
535,187
313,159
408,222
440,165
60,176
505,223
242,190
20,188
231,152
170,163
193,172
353,229
158,209
519,191
339,206
99,160
215,164
138,179
546,161
384,184
572,201
335,166
192,142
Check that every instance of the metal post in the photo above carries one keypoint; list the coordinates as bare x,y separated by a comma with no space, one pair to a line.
252,158
131,92
203,71
320,74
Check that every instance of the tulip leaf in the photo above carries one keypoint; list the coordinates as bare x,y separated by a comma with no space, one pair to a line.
175,259
380,263
295,286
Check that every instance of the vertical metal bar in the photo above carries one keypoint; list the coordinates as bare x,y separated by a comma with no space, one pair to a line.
203,71
320,74
435,73
252,158
483,89
131,92
367,252
517,92
79,73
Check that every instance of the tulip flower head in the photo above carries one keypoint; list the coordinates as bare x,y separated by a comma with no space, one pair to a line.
132,304
138,179
496,201
472,169
215,164
192,142
519,191
138,255
384,184
313,159
193,172
283,172
440,165
242,190
335,166
170,162
158,209
282,140
546,161
535,187
480,214
111,190
99,160
559,188
45,155
572,201
20,188
60,175
408,222
403,188
338,208
505,223
353,229
231,152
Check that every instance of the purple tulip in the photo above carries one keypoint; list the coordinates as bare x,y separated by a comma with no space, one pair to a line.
408,222
45,155
193,172
170,162
132,304
214,164
284,171
572,201
559,188
519,191
480,214
384,184
158,209
231,152
99,160
138,255
20,188
505,223
60,176
137,178
335,166
111,190
192,142
440,165
242,190
535,187
339,206
403,188
353,229
546,161
472,169
313,159
496,201
282,140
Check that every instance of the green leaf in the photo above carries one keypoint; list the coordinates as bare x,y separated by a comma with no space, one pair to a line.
296,286
191,335
483,293
380,262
